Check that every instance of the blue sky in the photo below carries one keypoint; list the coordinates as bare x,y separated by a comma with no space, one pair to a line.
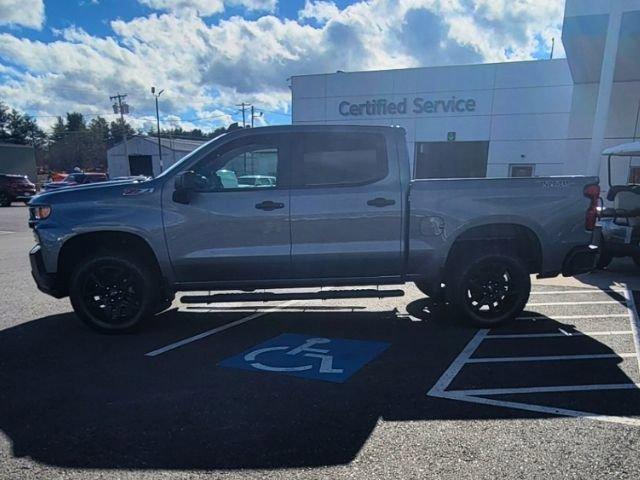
209,55
94,17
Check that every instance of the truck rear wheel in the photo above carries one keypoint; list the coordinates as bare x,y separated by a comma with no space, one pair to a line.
489,289
113,292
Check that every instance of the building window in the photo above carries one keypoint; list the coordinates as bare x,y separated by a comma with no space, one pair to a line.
634,175
451,159
521,170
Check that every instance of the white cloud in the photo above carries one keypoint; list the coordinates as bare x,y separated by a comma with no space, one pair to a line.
207,68
205,8
201,7
24,13
321,11
260,5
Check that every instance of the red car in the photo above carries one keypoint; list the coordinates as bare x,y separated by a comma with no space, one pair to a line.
15,188
74,179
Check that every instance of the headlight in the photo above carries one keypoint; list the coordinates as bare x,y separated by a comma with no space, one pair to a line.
40,212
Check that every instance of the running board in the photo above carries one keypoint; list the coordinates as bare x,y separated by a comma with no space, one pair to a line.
274,297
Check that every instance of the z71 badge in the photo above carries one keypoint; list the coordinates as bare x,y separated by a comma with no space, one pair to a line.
555,184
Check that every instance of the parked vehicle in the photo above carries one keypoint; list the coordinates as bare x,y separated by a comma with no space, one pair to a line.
75,179
621,222
15,188
257,181
344,211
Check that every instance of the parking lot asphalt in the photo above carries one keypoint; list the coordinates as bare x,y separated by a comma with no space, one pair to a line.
239,389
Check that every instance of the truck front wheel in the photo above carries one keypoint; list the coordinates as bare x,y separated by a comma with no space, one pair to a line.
113,292
489,289
5,199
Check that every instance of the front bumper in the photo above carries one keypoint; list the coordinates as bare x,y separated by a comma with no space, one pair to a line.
23,194
583,259
46,282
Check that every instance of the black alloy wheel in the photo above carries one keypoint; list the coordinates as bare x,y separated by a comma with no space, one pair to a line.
113,293
491,289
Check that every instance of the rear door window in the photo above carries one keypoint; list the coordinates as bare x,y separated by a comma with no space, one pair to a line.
339,159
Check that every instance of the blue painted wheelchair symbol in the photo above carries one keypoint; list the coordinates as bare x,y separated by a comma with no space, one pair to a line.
318,358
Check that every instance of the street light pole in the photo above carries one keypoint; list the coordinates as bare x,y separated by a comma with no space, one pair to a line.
153,91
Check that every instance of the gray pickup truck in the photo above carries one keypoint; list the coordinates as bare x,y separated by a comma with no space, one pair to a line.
340,209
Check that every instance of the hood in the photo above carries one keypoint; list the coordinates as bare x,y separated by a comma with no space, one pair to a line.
89,191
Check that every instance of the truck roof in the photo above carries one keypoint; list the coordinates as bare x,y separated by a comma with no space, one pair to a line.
317,128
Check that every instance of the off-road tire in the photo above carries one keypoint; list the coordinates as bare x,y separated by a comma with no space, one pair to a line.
104,283
510,289
5,199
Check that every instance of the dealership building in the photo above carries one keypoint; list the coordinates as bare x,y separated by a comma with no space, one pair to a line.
532,118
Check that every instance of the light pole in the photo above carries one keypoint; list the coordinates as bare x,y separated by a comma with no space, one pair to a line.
153,91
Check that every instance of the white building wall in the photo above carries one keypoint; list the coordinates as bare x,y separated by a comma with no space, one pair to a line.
118,164
522,109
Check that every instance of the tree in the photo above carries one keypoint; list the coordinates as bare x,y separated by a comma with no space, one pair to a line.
118,130
58,130
75,122
4,118
16,127
99,129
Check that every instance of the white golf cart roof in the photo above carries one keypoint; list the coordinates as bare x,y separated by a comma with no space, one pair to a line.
624,150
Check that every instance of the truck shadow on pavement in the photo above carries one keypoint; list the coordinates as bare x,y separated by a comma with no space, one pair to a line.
72,398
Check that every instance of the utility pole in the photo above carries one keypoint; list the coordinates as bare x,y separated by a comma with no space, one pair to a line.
153,92
254,115
122,108
244,106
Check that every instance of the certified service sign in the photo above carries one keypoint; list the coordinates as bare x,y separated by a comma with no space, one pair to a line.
417,106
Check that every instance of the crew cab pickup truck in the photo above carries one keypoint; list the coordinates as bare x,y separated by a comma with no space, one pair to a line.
341,210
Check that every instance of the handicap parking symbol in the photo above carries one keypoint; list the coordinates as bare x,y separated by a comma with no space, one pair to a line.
306,356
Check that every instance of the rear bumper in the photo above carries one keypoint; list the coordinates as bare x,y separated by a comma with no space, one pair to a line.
585,258
46,282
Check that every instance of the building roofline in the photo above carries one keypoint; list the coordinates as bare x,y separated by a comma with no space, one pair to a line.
432,67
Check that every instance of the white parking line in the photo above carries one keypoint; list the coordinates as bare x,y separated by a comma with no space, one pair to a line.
589,291
548,358
454,369
542,409
562,334
440,389
213,331
635,321
553,389
598,302
574,317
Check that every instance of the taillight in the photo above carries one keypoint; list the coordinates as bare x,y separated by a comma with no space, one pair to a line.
592,192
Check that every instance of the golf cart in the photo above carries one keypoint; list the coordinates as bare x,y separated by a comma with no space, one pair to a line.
620,222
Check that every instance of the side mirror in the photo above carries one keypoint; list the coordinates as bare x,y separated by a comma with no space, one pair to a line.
185,184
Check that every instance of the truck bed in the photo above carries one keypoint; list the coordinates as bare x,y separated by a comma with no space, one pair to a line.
552,208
